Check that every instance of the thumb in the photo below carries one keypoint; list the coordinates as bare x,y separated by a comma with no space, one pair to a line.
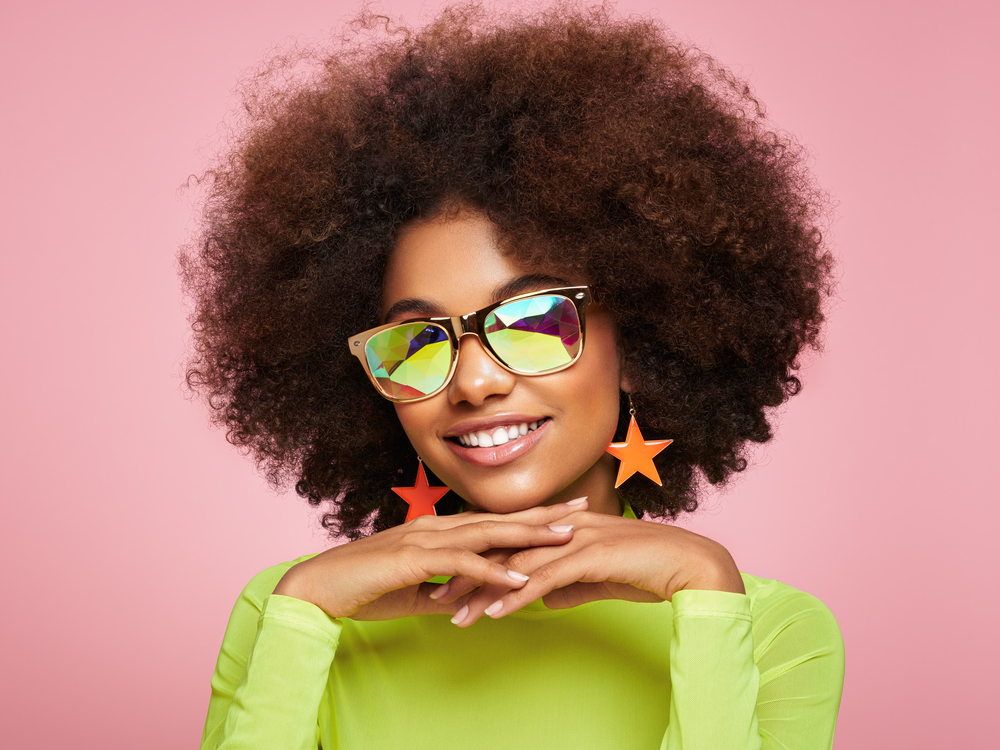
576,594
424,605
582,592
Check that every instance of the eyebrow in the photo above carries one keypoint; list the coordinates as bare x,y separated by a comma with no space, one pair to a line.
528,283
412,307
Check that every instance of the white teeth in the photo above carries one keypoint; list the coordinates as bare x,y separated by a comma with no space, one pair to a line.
499,435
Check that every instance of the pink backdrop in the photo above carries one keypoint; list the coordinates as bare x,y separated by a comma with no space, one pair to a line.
129,527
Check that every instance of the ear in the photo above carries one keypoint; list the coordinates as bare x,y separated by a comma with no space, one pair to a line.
624,384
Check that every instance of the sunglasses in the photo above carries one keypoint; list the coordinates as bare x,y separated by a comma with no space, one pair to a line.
530,334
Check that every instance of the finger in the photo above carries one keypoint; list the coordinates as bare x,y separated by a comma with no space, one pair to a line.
492,533
483,599
559,565
461,585
477,603
427,563
518,561
567,570
539,515
580,593
425,605
558,534
576,594
530,559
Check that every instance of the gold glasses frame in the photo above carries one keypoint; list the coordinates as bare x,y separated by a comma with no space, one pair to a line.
456,326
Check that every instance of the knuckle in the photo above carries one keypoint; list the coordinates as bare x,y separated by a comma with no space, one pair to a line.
599,543
488,527
467,558
407,550
543,575
498,556
413,558
421,523
518,559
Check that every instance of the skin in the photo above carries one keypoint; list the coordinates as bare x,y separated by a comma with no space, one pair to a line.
545,523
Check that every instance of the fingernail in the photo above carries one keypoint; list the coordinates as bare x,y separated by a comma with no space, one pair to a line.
517,576
460,615
494,607
562,529
439,591
578,501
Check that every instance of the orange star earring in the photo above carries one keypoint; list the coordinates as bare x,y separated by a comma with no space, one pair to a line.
421,497
635,453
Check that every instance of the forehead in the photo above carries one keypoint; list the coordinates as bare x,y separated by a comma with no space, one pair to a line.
453,263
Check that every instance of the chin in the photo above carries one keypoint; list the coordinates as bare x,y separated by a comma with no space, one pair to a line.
504,505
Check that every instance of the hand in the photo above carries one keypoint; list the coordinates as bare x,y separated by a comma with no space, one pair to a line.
382,577
608,558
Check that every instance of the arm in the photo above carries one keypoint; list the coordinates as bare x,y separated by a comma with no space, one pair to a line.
713,678
800,654
272,671
758,671
275,659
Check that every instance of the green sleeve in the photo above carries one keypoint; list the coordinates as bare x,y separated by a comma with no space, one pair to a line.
763,670
274,647
800,655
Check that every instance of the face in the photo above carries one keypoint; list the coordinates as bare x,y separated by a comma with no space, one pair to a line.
453,266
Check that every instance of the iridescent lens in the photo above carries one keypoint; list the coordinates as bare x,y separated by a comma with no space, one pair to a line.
410,360
536,334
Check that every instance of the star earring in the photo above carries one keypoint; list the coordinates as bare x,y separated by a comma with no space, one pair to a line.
636,454
421,497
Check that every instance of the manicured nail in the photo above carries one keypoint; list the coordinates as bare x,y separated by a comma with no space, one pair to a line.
562,529
578,501
494,607
439,591
517,576
460,615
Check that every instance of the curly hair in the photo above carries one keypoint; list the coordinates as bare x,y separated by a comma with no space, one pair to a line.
595,144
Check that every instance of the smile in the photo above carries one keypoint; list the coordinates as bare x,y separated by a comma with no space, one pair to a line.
497,444
498,435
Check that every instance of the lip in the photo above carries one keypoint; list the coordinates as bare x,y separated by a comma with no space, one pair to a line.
498,455
490,423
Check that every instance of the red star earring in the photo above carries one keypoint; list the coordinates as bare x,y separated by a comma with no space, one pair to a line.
421,496
635,453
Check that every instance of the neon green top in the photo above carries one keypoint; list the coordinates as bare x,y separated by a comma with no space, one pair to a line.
710,670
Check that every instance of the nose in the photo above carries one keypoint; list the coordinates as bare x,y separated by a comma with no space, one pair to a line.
477,375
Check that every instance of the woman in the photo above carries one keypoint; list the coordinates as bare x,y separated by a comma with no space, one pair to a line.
537,238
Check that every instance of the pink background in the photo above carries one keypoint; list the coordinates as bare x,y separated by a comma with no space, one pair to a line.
129,528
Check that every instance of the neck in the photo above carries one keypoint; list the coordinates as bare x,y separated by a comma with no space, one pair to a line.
598,486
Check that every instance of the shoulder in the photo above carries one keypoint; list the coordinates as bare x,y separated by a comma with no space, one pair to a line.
785,618
770,598
777,601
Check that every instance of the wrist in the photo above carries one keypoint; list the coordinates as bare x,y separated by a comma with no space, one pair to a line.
729,581
294,584
715,571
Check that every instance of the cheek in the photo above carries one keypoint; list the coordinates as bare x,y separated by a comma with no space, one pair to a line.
596,385
414,421
601,361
